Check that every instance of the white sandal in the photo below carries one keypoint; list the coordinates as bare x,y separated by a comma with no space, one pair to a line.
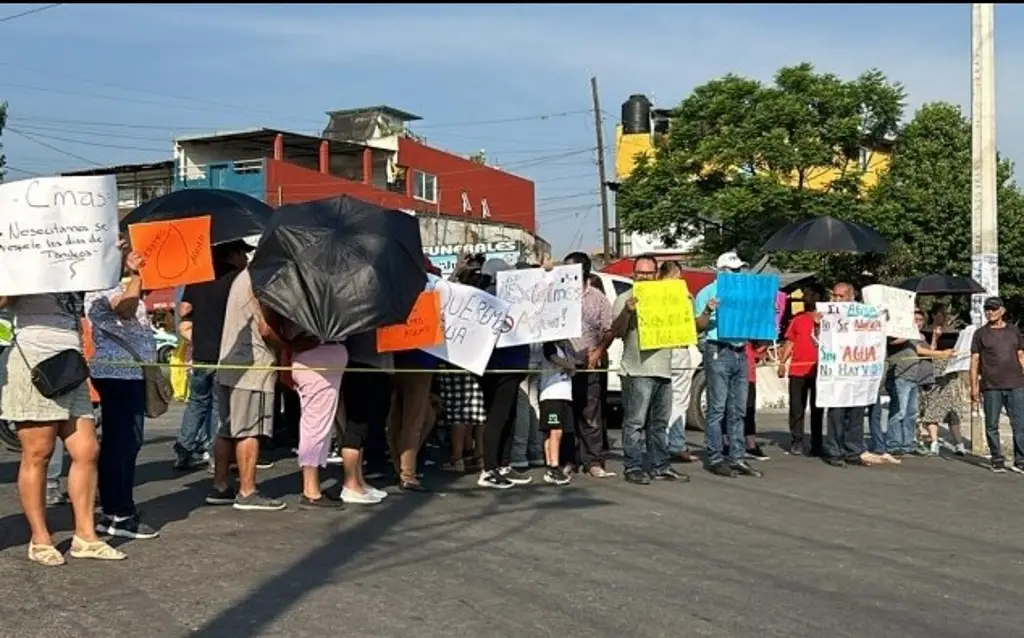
46,555
98,550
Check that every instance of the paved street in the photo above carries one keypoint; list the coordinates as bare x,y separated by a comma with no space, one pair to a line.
930,549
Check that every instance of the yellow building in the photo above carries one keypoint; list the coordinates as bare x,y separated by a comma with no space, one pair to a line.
640,124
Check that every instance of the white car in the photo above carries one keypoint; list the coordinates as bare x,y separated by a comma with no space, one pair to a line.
615,285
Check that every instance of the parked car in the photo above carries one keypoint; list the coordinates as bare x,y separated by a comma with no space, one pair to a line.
166,344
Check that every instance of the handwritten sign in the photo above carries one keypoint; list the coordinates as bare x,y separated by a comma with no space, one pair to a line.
546,305
472,321
664,314
746,306
421,329
851,355
174,253
897,308
58,234
961,359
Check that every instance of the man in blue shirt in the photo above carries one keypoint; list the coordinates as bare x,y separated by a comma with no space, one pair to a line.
725,366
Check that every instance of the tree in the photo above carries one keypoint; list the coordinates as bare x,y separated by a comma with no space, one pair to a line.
742,159
922,204
3,123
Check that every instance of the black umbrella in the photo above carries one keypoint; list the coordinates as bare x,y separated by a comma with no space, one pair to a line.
233,215
827,235
340,266
943,285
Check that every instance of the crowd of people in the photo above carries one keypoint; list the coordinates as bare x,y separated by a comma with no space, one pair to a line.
371,411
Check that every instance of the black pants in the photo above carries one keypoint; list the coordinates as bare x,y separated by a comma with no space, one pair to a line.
588,417
749,417
501,395
802,389
845,433
367,398
122,406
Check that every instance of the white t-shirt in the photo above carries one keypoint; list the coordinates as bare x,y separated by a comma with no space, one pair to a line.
555,385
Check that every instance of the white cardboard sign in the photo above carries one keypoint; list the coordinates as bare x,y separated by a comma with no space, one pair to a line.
851,355
58,234
472,321
545,305
897,308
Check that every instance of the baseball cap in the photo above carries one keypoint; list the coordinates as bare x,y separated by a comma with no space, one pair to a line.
729,261
493,266
993,303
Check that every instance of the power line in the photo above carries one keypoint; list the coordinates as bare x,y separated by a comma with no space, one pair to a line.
507,120
28,12
32,138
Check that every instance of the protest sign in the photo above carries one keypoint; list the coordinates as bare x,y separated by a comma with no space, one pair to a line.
961,359
746,306
472,321
58,234
897,308
174,252
421,330
545,305
851,355
664,314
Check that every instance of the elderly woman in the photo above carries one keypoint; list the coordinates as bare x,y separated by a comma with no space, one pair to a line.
48,337
123,337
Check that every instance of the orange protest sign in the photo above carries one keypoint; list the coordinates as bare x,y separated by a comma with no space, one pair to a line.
174,253
421,330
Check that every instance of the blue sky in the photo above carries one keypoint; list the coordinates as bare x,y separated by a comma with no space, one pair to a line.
112,84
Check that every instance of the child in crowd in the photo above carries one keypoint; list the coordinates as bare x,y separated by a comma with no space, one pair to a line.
556,406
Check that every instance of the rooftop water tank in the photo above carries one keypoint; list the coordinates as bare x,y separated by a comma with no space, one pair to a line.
636,115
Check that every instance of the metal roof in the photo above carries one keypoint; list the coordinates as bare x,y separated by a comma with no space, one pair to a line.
122,169
383,108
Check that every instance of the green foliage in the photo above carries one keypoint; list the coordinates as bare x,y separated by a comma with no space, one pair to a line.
743,159
3,122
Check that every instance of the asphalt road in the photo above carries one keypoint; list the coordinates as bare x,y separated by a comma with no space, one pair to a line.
932,548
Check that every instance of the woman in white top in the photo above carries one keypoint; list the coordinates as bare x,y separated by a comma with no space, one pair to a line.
45,326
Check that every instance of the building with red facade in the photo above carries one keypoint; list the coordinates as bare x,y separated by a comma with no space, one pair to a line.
366,153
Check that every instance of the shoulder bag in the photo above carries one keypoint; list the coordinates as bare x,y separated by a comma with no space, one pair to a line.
59,374
158,387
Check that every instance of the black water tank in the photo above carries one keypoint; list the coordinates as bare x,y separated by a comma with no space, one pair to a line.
636,115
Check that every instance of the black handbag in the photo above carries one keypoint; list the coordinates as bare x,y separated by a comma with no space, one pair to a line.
59,374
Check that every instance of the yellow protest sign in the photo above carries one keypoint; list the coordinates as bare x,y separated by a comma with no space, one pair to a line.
664,314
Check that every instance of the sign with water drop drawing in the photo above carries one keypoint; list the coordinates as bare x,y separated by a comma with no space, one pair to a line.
58,234
174,252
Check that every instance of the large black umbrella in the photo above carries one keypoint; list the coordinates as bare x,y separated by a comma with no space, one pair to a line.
826,235
233,215
340,266
943,285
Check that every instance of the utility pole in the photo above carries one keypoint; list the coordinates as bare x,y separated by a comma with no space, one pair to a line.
984,210
599,127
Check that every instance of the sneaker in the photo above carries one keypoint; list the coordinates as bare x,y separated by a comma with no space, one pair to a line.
757,454
264,464
381,494
555,476
128,527
256,502
960,450
933,448
745,469
721,469
1017,468
221,497
669,474
494,479
516,477
796,448
360,498
637,477
999,466
334,458
327,500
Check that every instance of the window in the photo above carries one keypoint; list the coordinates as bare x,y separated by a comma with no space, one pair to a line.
424,186
126,195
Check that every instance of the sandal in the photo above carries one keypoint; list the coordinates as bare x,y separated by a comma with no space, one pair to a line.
46,555
97,549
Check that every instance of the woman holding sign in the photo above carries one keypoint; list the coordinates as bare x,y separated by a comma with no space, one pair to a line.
47,340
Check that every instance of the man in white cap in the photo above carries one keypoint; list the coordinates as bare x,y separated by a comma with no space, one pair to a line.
725,367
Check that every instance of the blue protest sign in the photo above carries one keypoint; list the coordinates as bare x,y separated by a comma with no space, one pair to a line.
746,306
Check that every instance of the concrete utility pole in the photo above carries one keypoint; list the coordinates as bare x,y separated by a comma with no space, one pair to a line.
599,124
984,210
